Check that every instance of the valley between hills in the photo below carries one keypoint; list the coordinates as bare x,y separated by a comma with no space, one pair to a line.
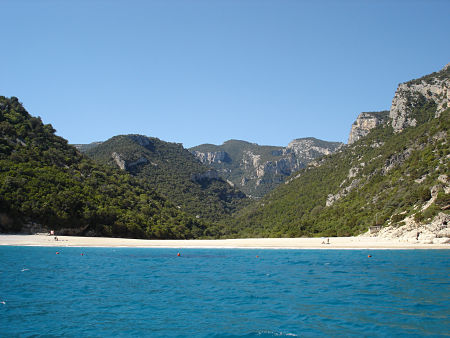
391,176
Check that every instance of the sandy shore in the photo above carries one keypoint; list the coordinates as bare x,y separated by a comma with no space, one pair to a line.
250,243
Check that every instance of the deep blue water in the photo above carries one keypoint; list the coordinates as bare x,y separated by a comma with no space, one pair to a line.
223,293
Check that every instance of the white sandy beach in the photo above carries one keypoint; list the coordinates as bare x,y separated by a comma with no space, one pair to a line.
250,243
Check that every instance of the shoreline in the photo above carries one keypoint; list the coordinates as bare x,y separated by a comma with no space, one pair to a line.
336,243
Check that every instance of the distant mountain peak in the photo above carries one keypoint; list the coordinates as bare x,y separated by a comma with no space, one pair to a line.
257,169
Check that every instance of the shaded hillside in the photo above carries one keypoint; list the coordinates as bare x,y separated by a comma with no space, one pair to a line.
257,169
383,178
174,172
47,184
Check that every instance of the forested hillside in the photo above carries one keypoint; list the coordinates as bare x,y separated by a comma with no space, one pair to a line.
395,170
174,172
47,184
382,178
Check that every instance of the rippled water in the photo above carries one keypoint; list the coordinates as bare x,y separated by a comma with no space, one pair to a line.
223,293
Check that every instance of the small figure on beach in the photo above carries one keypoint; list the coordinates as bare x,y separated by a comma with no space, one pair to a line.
56,238
327,242
417,236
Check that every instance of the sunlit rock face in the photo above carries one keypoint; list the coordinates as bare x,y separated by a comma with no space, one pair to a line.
364,123
433,87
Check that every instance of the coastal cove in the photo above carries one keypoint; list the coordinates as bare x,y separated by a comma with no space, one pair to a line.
222,292
359,242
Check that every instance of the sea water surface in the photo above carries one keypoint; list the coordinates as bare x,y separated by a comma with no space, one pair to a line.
103,292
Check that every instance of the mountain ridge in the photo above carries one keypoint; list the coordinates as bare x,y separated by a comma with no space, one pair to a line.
173,171
257,169
388,177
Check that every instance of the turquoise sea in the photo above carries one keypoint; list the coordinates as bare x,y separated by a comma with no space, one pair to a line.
104,292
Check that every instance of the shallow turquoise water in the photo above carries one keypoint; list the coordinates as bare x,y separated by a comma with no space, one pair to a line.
223,292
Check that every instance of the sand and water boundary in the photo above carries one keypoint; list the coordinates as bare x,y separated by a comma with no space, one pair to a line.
247,243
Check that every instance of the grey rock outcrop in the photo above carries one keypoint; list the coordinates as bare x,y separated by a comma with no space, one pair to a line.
364,123
433,87
119,160
310,148
124,165
212,157
257,169
435,232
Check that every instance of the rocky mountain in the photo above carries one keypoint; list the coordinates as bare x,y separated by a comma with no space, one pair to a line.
365,122
47,184
173,172
394,177
256,169
431,90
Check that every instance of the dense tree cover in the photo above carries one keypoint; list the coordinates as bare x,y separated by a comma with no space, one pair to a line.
44,180
392,175
173,172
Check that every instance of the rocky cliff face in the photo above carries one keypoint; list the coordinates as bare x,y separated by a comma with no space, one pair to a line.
430,93
127,165
394,179
212,157
257,169
366,122
430,88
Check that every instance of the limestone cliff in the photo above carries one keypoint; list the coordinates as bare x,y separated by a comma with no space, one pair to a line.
432,88
258,169
212,157
391,178
366,122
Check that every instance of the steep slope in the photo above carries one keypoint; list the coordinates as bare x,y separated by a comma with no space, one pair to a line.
389,177
174,172
47,184
257,169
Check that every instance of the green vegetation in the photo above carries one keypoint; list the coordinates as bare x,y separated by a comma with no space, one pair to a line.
163,191
44,180
391,175
173,172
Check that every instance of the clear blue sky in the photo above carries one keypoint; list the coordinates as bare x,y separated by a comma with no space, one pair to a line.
207,71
